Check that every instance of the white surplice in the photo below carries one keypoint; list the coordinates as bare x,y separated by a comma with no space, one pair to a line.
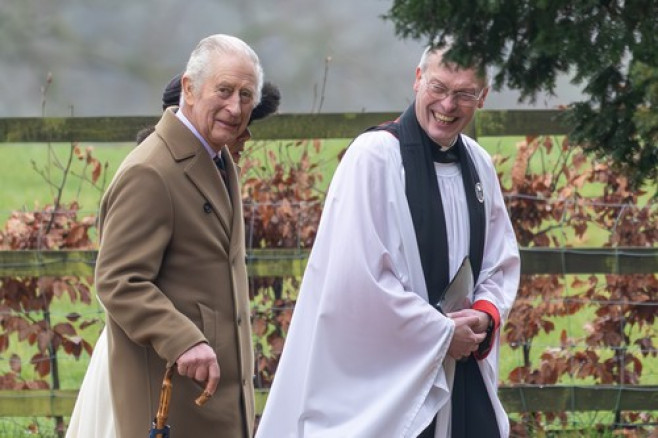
366,355
93,415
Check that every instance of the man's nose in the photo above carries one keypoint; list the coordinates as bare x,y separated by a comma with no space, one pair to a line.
450,101
233,104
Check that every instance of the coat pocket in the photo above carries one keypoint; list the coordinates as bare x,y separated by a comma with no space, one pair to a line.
209,324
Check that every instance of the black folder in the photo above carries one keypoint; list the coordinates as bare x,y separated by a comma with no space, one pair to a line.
455,295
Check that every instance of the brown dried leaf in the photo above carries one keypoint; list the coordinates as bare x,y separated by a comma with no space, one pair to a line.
37,384
88,323
76,235
44,339
88,347
15,363
64,329
259,326
96,172
41,364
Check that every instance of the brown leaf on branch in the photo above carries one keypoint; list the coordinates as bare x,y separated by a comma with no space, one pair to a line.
15,363
520,164
259,326
41,364
97,170
64,329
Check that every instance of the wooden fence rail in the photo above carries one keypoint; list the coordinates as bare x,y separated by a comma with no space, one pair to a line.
516,399
291,262
486,123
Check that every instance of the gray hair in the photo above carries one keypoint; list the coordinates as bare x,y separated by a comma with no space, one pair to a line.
220,44
482,71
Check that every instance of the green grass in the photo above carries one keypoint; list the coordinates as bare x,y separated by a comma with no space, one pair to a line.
24,189
28,427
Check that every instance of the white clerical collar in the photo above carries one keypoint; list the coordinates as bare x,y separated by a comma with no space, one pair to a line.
191,127
452,143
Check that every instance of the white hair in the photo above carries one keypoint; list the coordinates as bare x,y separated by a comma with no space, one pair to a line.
221,44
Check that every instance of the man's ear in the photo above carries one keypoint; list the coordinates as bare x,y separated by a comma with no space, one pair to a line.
484,96
188,90
419,76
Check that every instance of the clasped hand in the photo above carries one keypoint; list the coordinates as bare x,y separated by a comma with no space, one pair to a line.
470,330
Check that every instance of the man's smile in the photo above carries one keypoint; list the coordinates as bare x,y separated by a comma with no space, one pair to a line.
443,118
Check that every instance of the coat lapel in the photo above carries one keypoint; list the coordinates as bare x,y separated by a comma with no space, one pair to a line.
199,167
205,176
237,230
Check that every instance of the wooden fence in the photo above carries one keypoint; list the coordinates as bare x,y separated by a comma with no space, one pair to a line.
273,262
282,126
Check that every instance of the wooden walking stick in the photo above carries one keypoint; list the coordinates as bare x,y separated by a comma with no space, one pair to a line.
159,427
203,398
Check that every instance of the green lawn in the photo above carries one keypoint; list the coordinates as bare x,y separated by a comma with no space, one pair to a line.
24,188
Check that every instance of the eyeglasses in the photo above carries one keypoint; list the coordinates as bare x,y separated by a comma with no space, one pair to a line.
463,98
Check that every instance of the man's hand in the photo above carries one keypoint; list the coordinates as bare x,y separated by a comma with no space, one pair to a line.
483,318
466,337
200,363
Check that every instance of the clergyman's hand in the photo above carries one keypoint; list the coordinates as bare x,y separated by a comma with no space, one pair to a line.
200,363
483,318
465,338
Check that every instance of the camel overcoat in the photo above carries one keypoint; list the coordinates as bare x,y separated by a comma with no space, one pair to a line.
171,273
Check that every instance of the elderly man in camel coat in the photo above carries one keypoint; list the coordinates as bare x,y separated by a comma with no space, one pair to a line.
171,266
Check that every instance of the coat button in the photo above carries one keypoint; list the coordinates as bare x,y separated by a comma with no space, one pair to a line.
239,319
